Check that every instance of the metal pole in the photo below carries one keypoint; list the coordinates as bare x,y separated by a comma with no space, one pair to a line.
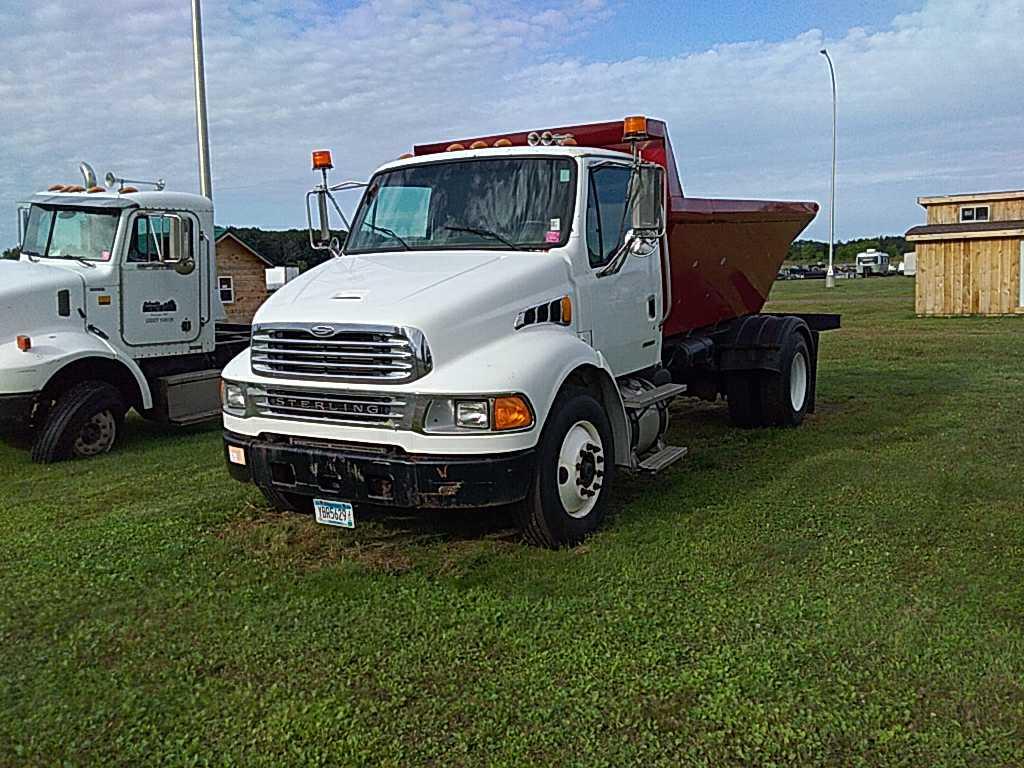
202,129
830,276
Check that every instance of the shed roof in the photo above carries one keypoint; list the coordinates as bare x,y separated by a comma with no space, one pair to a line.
977,197
968,231
219,233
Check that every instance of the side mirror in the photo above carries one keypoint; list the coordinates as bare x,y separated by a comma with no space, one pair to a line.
180,247
649,208
22,225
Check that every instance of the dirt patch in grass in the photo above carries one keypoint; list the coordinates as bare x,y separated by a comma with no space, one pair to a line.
290,539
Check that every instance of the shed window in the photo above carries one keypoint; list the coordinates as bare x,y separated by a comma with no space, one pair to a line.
226,285
973,213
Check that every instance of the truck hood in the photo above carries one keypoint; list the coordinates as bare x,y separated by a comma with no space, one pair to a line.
28,296
458,299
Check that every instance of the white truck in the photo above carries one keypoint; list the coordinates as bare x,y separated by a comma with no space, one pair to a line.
113,305
506,323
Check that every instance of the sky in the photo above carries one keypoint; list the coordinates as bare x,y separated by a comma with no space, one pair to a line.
929,93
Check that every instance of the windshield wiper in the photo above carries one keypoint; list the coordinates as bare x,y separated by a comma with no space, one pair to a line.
486,233
387,232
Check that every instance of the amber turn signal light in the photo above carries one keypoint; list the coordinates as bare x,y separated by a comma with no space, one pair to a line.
24,343
512,412
566,317
322,160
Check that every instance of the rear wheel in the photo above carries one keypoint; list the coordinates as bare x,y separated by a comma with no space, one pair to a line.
85,421
575,468
743,393
786,395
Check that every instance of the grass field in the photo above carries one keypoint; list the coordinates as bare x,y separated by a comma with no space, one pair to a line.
849,593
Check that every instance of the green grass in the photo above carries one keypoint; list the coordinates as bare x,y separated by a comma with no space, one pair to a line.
849,593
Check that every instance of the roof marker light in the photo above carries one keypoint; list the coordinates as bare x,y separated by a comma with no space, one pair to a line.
456,147
503,143
478,145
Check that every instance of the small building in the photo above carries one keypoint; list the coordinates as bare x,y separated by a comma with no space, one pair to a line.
241,276
970,255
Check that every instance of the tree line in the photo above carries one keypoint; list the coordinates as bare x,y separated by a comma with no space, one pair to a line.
816,251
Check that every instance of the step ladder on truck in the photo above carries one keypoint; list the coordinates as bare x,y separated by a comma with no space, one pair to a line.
507,322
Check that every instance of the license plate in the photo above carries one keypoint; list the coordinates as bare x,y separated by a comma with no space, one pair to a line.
337,513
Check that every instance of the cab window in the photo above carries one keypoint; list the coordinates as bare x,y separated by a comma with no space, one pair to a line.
163,238
606,212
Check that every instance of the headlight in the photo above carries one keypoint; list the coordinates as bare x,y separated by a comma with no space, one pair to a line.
473,414
496,413
232,396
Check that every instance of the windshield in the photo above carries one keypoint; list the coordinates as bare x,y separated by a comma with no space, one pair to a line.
503,203
70,233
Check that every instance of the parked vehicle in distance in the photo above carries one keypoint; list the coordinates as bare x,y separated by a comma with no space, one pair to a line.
113,305
908,267
507,322
872,262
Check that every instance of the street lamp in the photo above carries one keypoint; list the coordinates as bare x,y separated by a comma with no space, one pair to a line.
830,276
202,130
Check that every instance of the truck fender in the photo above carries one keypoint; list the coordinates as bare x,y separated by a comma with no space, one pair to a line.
537,361
754,342
105,355
597,377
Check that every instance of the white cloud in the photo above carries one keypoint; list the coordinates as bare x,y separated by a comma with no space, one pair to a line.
929,104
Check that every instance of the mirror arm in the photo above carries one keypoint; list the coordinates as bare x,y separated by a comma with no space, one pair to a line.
613,266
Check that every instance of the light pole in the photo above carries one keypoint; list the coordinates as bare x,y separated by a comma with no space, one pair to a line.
830,276
203,134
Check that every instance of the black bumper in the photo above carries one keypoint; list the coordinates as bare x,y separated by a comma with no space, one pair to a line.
16,410
382,477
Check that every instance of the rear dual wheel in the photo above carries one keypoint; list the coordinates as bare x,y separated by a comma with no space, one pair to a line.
773,398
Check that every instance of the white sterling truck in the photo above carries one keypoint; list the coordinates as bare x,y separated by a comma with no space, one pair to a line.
506,323
113,305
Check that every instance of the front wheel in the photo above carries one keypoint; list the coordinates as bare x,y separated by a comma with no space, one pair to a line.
574,473
85,421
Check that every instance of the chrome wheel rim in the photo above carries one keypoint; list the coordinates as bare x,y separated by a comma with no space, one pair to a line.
97,435
798,381
580,469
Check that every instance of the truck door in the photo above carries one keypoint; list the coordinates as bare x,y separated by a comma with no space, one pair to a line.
161,280
624,307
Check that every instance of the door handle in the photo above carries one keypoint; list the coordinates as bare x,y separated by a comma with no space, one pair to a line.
652,306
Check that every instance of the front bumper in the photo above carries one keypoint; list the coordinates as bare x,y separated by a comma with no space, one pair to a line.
381,476
17,409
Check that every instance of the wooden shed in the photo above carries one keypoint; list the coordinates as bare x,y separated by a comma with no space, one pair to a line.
970,255
241,277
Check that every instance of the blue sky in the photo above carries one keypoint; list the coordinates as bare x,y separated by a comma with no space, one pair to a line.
665,28
929,92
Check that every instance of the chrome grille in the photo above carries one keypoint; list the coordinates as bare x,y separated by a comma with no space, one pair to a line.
350,408
339,353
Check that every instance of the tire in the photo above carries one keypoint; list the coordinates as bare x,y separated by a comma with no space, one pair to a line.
287,502
85,421
743,393
786,396
574,473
